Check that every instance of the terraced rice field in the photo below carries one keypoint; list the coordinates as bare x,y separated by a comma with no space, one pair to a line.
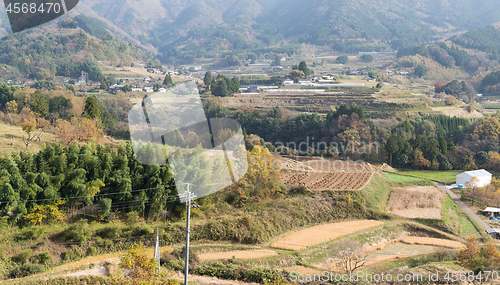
319,234
327,181
323,174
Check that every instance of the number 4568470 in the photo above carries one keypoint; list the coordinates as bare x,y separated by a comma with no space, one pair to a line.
32,8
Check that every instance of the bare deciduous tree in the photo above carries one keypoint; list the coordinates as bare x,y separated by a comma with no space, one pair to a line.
351,256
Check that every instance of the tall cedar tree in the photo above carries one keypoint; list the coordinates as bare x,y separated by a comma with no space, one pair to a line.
38,103
168,80
91,109
208,78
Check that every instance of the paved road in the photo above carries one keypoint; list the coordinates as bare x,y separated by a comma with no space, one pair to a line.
464,207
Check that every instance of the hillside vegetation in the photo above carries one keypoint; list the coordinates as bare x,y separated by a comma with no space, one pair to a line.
182,31
64,52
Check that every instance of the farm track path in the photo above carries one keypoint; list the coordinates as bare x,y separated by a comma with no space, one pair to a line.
463,206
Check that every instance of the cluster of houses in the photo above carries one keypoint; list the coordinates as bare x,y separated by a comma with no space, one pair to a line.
149,89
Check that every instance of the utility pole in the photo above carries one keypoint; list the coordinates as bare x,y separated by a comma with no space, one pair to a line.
157,250
189,203
188,217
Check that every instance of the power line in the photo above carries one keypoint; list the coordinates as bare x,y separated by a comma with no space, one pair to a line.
87,196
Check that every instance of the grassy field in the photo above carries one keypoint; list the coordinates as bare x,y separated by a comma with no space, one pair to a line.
458,221
402,179
433,175
7,131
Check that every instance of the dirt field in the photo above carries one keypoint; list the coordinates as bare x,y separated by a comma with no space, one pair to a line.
416,202
327,181
325,165
319,234
238,254
323,174
289,164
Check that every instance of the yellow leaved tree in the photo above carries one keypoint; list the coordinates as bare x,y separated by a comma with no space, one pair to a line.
143,269
45,214
474,257
262,179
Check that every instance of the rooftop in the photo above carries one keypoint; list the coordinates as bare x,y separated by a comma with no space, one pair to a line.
480,172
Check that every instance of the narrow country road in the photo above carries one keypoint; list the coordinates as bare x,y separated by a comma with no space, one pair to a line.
464,207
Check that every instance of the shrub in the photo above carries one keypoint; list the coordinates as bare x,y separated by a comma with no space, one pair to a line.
76,233
92,250
30,233
43,257
112,232
22,257
300,190
132,219
175,258
71,255
235,271
26,270
143,230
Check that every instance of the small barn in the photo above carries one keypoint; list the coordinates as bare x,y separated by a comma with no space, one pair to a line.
494,233
481,176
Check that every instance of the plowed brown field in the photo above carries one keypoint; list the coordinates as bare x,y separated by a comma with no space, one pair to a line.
327,181
324,174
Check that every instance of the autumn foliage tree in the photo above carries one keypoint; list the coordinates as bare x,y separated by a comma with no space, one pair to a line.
78,130
34,127
261,180
477,258
143,269
45,214
297,74
489,129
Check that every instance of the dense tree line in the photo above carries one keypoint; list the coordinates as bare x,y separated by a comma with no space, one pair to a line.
70,173
346,124
485,39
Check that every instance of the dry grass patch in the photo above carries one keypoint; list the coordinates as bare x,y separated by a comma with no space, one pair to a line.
433,241
238,254
319,234
302,270
416,202
418,240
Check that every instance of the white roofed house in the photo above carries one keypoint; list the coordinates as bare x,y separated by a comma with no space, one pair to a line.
306,82
474,178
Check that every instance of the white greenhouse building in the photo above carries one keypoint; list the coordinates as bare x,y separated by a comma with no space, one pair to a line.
483,178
